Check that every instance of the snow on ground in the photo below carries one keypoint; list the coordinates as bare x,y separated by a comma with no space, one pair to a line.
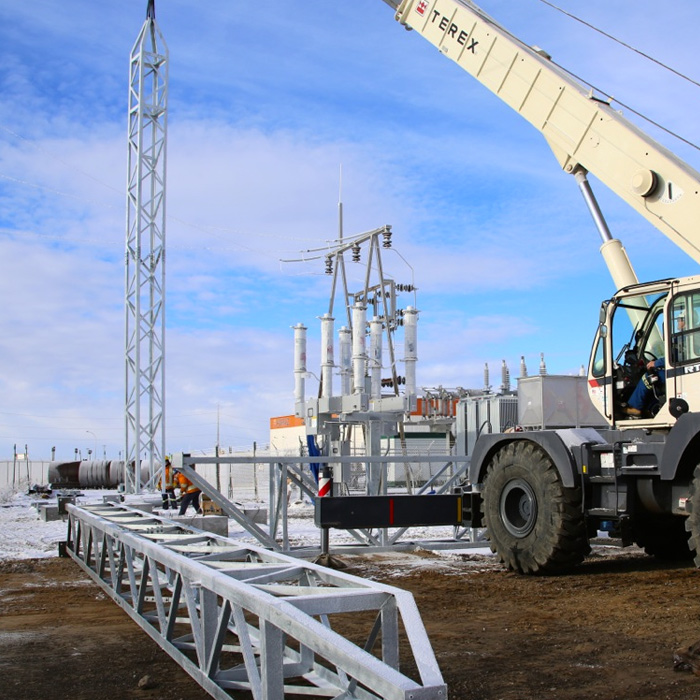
24,534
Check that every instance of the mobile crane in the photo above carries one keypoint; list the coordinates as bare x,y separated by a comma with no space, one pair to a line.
543,494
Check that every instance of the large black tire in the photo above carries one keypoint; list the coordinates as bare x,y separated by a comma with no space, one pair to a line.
692,522
663,537
533,522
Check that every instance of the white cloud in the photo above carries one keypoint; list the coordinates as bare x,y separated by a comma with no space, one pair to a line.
265,108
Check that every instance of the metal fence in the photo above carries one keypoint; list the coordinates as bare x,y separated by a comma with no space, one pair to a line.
21,473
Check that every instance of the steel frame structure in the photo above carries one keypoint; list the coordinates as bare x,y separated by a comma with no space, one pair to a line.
381,296
145,255
291,468
242,618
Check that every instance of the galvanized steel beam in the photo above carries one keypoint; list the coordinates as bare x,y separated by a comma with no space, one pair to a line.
240,617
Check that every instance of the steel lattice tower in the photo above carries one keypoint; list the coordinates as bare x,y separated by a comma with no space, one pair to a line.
145,255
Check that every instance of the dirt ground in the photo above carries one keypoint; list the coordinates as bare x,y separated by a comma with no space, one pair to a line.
606,631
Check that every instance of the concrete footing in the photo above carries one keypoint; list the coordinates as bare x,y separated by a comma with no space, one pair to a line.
49,512
257,515
218,524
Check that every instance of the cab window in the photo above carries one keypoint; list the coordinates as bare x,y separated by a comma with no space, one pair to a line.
598,369
638,326
685,328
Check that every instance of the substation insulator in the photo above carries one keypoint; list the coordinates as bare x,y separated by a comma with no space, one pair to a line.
329,266
386,243
356,253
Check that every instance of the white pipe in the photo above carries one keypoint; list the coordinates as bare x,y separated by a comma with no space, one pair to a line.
375,357
299,363
410,339
359,357
345,342
327,355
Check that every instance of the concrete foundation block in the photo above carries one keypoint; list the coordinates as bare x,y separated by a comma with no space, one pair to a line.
257,515
48,513
218,524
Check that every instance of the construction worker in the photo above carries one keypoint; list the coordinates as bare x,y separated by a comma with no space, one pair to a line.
189,493
167,484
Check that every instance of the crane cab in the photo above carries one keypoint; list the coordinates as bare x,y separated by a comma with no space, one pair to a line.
648,333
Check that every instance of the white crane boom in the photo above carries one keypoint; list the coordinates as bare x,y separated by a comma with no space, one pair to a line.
584,132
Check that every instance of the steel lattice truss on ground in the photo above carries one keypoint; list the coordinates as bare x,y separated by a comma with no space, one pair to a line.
243,618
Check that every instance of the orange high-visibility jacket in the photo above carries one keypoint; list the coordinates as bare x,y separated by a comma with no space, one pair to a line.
185,485
168,483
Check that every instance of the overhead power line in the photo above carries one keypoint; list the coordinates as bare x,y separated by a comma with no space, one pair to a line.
637,51
622,43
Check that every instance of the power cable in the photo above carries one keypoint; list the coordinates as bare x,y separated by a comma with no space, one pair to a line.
622,43
630,109
610,97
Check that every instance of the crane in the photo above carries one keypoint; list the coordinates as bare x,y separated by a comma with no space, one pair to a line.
542,494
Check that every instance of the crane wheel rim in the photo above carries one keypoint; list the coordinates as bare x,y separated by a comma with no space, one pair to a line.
518,508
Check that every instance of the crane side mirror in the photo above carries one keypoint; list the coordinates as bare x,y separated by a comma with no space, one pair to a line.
677,407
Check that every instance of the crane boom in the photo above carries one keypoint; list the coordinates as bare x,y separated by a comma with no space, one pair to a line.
585,133
636,477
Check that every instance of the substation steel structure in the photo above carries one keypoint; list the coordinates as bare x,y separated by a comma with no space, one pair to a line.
239,617
360,401
379,522
145,256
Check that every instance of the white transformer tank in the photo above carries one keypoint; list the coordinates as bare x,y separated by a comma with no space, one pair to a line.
556,401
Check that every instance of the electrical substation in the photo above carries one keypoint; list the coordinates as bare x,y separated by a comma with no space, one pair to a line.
537,472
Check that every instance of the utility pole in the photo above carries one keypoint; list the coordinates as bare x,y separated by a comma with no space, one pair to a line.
218,466
145,257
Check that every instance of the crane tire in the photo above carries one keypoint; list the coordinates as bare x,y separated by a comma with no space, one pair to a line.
533,522
692,522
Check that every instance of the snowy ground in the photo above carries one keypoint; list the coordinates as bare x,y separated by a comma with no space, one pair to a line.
25,535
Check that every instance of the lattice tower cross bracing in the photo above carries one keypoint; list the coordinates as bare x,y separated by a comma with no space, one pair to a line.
145,257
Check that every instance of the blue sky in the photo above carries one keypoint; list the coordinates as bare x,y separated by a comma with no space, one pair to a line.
267,101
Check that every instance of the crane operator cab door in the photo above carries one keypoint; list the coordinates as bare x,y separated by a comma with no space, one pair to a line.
683,372
645,363
631,357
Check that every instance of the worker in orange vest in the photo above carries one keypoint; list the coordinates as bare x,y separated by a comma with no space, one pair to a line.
189,493
166,484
